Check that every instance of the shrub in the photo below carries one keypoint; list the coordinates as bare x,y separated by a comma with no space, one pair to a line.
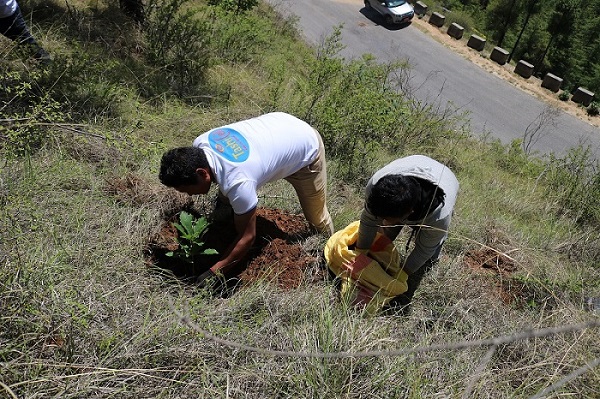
575,181
593,109
237,37
563,96
27,110
364,109
177,43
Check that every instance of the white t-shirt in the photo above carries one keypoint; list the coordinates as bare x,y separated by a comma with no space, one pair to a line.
7,8
248,154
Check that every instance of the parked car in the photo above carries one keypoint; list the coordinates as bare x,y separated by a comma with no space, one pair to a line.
392,11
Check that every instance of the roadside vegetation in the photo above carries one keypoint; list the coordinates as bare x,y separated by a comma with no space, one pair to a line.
508,312
555,36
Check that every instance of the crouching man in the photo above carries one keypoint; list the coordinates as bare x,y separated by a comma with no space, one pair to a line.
414,191
242,157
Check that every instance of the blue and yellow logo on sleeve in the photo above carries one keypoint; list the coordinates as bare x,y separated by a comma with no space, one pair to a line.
230,144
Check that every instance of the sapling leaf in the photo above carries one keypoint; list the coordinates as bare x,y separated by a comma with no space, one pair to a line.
180,228
191,231
187,220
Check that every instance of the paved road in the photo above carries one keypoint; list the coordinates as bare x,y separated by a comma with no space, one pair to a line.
441,77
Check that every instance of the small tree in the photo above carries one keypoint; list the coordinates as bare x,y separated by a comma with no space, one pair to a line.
191,233
532,7
561,25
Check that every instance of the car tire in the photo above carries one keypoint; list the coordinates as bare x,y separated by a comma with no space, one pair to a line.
388,20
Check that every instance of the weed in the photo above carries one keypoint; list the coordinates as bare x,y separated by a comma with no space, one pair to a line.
594,108
564,96
575,181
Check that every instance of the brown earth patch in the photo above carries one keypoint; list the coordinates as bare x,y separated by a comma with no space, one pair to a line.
487,259
509,289
277,255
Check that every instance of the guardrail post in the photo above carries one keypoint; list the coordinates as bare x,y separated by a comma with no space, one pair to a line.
455,30
524,69
476,42
552,82
437,19
420,8
582,96
499,55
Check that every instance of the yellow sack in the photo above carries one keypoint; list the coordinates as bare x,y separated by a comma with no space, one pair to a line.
368,280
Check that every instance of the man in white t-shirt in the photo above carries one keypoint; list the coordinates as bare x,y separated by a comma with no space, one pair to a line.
242,157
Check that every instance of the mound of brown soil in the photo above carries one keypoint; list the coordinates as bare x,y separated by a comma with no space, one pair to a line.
277,254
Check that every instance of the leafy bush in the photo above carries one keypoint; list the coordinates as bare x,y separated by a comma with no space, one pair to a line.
563,96
575,181
363,109
594,109
26,112
177,44
236,37
354,106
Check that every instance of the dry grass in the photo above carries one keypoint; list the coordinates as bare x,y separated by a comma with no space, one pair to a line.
83,315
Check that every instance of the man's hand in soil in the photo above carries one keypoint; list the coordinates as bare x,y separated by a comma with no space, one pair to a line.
209,279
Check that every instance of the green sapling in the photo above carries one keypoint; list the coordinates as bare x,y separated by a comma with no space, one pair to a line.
191,232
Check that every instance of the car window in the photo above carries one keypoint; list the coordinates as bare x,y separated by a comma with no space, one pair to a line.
395,3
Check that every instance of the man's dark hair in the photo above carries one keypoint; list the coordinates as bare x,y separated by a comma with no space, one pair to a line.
393,196
178,166
396,195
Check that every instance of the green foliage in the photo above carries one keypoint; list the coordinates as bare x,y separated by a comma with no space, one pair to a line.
363,109
514,159
191,232
594,108
501,16
575,182
564,95
532,45
236,6
463,19
26,112
572,181
177,43
88,85
354,105
236,37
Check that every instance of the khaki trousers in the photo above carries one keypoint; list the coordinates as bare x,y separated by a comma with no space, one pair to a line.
310,184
